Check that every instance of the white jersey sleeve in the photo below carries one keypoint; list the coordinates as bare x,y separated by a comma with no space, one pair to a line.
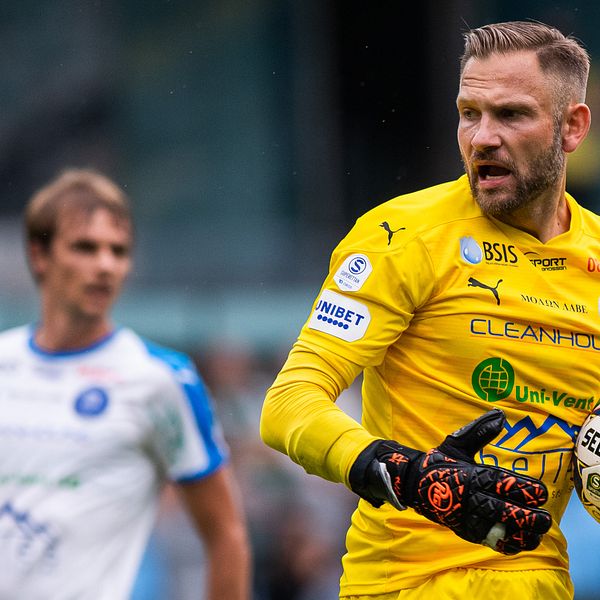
187,438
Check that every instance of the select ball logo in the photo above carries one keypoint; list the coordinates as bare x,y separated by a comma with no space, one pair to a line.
588,441
586,465
593,484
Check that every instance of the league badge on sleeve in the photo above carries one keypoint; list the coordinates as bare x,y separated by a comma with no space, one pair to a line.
339,316
353,273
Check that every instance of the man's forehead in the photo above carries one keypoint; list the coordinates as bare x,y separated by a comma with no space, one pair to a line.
82,219
516,74
518,66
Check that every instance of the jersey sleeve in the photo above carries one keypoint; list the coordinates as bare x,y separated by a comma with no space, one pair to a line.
369,297
300,417
367,300
186,434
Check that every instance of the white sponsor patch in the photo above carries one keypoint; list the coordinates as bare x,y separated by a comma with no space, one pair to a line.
339,316
353,273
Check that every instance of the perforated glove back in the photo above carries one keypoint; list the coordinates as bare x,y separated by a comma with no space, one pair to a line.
479,503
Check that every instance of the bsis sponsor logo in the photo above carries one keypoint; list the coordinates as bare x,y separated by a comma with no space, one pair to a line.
498,252
491,252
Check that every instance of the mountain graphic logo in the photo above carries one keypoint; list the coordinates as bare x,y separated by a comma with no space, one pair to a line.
525,431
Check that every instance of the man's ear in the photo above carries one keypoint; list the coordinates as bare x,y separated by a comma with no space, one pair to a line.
37,255
576,125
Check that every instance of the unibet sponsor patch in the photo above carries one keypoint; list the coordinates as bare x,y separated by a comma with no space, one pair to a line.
339,316
353,273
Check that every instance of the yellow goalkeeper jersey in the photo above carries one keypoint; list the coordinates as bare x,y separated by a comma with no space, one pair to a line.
448,313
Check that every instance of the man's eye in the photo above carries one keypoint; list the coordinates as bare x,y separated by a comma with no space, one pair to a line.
508,113
120,251
85,247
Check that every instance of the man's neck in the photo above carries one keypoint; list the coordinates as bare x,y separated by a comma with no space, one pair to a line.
543,222
61,334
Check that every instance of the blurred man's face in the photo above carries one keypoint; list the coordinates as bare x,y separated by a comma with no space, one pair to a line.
83,271
508,136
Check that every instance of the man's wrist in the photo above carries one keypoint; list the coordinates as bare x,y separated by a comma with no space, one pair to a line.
380,473
358,476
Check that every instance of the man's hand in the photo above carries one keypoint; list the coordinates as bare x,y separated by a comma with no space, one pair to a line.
481,504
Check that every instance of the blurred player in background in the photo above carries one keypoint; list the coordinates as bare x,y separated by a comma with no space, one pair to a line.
94,420
471,292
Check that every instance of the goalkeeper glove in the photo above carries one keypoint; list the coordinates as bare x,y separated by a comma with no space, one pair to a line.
481,504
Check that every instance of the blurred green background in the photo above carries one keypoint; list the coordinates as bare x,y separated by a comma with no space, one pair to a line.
249,133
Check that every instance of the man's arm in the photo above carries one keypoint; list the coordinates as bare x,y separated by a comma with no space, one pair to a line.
479,503
300,417
213,503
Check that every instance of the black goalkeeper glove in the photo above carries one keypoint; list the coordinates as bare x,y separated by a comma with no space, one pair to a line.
481,504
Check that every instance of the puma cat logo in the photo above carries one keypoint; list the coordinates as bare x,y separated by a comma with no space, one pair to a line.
390,231
474,283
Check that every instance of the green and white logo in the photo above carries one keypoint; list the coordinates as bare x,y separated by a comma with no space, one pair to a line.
493,379
593,483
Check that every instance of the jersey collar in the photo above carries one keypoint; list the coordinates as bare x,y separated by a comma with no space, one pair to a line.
66,353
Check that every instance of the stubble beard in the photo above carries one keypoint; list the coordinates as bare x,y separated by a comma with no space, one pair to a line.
544,173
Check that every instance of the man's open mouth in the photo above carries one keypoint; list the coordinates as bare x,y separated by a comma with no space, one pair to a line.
490,172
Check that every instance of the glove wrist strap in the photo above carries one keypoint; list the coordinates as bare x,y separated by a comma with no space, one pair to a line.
370,477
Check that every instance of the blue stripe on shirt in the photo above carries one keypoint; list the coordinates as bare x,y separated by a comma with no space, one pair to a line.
199,401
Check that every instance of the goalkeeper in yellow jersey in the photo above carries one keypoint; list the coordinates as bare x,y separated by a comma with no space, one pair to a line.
472,310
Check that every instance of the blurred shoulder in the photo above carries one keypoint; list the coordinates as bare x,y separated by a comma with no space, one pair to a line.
15,337
176,363
156,364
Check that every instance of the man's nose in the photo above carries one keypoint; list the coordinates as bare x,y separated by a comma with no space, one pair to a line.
106,260
486,134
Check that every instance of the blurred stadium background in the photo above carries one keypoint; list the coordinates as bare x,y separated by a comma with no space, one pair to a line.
249,134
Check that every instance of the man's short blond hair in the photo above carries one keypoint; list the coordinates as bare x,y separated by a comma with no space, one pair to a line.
562,57
73,190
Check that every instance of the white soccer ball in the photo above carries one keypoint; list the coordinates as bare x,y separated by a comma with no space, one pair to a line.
586,464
